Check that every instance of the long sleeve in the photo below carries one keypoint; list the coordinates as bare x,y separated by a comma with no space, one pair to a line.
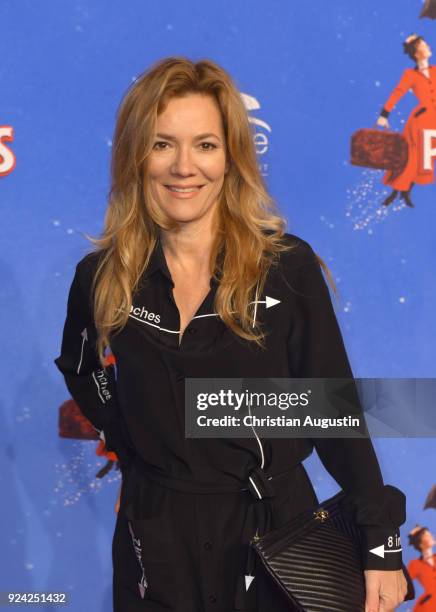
92,387
316,350
398,92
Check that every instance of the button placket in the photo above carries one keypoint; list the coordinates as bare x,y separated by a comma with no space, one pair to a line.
208,553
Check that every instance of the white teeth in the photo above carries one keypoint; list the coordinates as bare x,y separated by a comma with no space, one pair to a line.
178,189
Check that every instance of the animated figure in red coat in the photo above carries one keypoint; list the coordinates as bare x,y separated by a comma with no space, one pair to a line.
424,568
420,128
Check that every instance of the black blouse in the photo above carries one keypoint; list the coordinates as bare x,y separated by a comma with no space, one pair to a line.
139,406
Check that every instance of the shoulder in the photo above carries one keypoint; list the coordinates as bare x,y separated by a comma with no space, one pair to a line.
300,269
409,73
299,254
90,261
87,267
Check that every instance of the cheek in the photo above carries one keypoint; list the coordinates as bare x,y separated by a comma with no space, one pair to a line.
157,167
213,168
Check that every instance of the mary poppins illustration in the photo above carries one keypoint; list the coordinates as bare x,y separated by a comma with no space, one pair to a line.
421,81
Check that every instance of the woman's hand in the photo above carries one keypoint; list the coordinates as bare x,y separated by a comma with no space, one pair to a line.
383,122
384,590
117,503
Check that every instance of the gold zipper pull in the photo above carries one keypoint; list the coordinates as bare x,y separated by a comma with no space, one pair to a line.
256,536
321,515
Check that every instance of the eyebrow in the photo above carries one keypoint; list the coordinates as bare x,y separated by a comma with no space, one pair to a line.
199,137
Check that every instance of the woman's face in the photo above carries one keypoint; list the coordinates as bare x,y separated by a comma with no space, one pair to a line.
189,151
426,540
423,51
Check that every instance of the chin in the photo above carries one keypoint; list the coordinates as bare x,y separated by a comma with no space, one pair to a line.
182,218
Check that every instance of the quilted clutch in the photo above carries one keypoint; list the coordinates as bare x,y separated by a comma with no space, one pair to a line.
315,559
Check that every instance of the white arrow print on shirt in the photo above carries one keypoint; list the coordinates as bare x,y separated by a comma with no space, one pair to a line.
380,551
84,335
248,580
268,301
101,432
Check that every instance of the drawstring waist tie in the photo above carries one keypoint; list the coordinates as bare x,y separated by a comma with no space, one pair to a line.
260,511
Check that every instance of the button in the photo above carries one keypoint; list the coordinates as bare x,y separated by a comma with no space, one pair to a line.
192,330
208,545
212,598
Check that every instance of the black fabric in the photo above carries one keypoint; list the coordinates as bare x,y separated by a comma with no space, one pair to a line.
194,546
142,412
316,560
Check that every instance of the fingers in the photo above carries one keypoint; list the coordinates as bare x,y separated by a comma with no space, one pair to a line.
385,590
372,603
402,587
393,592
372,598
385,607
372,591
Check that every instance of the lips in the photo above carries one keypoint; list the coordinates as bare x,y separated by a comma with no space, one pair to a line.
184,186
179,193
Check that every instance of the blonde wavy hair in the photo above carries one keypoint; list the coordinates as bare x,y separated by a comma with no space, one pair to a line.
249,227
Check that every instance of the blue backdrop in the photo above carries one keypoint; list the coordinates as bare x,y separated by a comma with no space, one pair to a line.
313,73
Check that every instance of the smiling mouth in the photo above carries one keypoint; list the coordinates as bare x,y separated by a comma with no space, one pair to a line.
183,189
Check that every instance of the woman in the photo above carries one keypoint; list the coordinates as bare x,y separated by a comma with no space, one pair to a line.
194,277
422,81
424,568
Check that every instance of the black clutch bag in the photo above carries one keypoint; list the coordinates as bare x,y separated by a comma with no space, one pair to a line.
315,560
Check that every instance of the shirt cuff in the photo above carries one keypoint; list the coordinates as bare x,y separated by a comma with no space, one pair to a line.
379,517
381,549
384,113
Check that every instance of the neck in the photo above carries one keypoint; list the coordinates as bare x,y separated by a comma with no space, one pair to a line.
190,248
427,552
422,64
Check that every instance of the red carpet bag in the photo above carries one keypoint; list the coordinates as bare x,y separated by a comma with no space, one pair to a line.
379,149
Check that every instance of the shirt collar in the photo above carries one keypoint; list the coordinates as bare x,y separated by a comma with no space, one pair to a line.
158,262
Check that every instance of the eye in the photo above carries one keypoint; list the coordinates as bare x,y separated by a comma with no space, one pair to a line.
209,144
159,142
157,145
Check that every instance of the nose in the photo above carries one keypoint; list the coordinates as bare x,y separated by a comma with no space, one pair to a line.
183,162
